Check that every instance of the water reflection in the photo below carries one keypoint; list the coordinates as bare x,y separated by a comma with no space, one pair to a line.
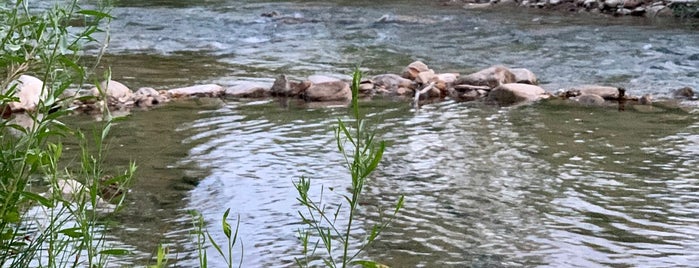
529,186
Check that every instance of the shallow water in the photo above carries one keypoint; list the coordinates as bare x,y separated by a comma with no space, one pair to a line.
546,185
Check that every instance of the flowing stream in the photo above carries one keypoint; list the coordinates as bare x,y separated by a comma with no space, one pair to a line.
546,185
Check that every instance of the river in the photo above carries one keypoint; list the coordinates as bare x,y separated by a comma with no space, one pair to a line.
545,185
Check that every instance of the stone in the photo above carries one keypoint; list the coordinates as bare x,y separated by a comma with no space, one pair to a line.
329,91
524,76
606,92
117,94
249,90
366,87
639,11
147,97
659,10
513,93
612,4
208,90
590,4
623,12
392,81
684,93
464,94
646,99
29,91
590,99
631,4
444,81
424,77
413,69
490,77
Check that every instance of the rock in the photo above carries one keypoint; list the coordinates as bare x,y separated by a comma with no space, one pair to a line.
391,82
29,91
608,93
444,81
424,77
329,91
639,11
509,94
658,10
524,76
612,4
623,12
590,99
117,94
366,87
646,99
631,4
208,90
465,94
490,77
249,90
684,93
413,69
147,97
590,4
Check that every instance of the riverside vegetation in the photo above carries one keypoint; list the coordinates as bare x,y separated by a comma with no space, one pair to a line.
66,226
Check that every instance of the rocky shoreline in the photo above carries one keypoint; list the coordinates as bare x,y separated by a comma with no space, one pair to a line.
417,83
639,8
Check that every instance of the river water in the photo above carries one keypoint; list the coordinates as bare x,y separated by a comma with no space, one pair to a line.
546,185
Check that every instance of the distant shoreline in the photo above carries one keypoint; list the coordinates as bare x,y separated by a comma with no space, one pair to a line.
638,8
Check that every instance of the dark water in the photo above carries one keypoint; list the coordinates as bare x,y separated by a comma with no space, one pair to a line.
548,185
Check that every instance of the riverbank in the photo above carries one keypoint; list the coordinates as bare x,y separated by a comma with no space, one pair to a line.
639,8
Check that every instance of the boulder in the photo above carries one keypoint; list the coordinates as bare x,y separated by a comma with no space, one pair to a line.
463,93
590,99
391,82
509,94
684,93
248,90
29,90
606,92
646,99
117,94
413,69
524,76
444,81
208,90
147,97
490,77
424,77
329,91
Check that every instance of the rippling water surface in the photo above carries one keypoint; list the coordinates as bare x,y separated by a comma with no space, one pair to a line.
548,185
